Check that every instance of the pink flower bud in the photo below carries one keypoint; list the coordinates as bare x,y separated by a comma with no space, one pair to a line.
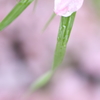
67,7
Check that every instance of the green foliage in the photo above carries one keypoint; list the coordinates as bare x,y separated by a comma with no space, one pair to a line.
42,81
35,4
65,28
96,4
15,12
63,36
49,21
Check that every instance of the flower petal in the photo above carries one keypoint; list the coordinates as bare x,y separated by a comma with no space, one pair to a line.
67,7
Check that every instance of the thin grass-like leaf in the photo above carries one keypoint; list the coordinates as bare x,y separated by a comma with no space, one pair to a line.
63,36
35,5
39,83
49,21
42,81
15,12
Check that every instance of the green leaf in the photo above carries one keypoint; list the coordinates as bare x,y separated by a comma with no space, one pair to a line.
35,4
49,21
42,81
63,36
96,5
15,12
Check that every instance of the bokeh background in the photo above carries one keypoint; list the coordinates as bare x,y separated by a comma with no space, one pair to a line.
26,53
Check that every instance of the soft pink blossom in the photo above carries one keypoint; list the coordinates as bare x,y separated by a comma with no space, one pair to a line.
67,7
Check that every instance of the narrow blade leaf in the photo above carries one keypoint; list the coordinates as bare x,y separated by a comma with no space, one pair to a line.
49,21
35,5
42,81
63,36
15,12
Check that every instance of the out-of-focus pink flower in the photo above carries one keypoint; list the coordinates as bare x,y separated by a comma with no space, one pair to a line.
67,7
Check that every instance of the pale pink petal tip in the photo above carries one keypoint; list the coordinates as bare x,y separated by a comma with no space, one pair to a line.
67,7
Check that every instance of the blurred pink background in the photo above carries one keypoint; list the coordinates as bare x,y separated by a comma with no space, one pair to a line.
26,53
